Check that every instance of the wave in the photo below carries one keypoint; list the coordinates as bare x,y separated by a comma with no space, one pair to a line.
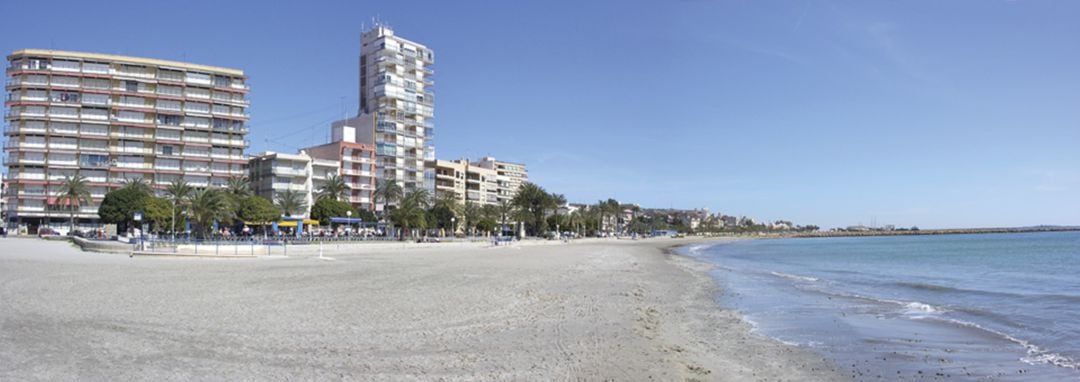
696,249
932,287
910,307
920,307
921,311
1035,354
794,277
1066,298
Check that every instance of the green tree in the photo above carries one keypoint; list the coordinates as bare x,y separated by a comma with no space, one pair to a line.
334,188
486,225
178,192
208,206
120,205
326,208
411,212
470,214
74,192
442,217
365,215
291,202
158,212
490,211
258,210
532,202
445,212
388,192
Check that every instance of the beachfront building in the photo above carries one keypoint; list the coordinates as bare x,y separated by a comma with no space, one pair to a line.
396,106
510,176
465,181
355,163
110,118
273,173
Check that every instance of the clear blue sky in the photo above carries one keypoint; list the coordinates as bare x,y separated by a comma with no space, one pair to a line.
928,113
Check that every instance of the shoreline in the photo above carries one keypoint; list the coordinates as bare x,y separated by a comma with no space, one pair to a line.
900,323
600,310
755,356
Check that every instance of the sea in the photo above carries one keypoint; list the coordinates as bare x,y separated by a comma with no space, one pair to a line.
997,307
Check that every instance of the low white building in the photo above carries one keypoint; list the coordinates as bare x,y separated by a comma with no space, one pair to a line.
272,173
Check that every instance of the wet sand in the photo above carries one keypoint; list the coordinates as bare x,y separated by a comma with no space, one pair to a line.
602,310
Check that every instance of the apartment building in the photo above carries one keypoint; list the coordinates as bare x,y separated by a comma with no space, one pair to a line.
510,176
396,106
110,118
355,164
465,181
272,173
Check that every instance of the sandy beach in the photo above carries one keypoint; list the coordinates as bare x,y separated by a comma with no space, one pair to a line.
607,310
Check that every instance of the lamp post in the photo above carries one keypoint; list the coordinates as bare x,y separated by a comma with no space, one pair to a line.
349,214
453,226
142,228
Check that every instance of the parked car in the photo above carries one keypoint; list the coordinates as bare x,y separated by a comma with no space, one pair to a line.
42,232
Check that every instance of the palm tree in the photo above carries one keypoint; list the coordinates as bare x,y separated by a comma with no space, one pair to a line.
450,202
505,209
388,191
471,214
239,186
178,191
533,202
558,200
411,212
208,206
334,188
139,184
291,202
75,192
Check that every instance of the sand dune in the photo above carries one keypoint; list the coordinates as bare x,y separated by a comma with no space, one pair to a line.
609,310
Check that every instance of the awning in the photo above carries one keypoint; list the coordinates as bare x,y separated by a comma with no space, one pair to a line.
292,223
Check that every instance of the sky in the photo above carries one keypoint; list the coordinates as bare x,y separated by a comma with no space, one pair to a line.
826,112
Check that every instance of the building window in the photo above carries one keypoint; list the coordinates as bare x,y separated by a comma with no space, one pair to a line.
171,120
221,81
131,86
66,97
38,64
89,160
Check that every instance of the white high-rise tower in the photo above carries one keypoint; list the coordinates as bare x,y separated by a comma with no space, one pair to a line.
396,107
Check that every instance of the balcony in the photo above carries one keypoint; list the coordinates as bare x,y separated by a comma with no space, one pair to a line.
352,172
289,186
134,166
289,171
25,161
